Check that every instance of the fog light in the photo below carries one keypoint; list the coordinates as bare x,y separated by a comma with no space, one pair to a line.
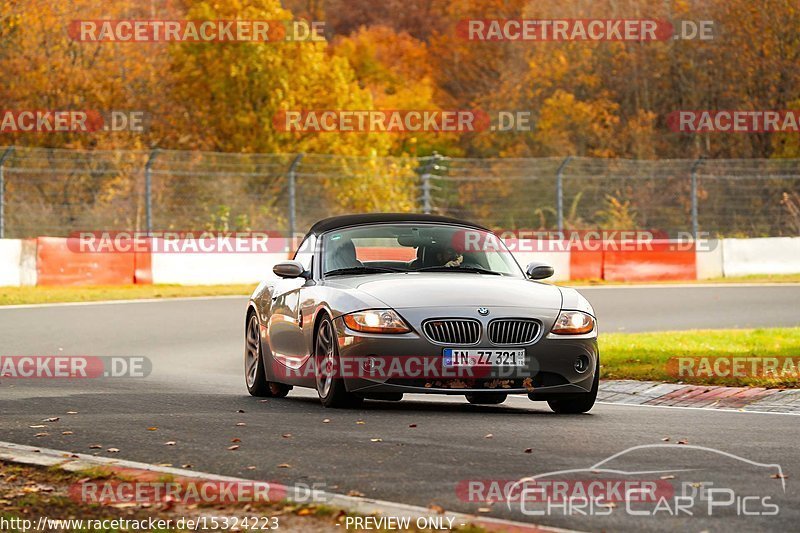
581,364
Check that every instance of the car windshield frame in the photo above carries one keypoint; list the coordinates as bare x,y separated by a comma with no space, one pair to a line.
516,270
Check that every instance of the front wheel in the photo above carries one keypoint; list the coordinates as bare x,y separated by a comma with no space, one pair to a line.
581,403
330,386
254,373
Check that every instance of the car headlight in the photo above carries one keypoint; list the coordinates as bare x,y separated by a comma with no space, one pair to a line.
573,323
376,321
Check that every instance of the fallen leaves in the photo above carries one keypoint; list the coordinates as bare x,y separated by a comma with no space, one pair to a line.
170,443
95,446
113,450
683,441
284,465
665,439
37,426
233,448
668,477
778,476
412,425
52,419
152,428
287,435
240,411
72,412
488,436
528,450
438,509
240,424
356,494
42,434
236,439
360,422
376,440
67,433
326,420
528,384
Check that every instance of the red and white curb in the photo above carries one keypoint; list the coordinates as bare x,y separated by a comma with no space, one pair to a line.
656,393
71,462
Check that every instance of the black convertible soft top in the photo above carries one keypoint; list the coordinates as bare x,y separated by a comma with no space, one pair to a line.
328,224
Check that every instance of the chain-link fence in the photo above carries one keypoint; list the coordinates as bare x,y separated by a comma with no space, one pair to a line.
54,192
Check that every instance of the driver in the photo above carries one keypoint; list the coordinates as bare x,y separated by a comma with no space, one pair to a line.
449,257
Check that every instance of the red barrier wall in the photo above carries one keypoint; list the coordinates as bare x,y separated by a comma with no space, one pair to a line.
665,261
585,264
56,264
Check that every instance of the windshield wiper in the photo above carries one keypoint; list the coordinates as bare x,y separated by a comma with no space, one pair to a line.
361,270
442,268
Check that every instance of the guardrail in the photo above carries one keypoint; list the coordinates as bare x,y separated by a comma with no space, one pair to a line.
53,261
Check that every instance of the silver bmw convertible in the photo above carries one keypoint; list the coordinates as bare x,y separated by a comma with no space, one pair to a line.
378,305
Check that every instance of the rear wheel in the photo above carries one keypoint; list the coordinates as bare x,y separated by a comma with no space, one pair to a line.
581,403
254,373
487,398
330,387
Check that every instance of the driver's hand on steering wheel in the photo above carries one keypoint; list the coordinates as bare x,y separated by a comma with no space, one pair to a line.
455,262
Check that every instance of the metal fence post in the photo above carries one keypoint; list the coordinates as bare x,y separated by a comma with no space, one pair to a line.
3,158
292,177
426,194
427,187
560,193
148,190
695,221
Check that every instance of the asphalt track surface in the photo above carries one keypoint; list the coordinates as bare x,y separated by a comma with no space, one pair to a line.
196,389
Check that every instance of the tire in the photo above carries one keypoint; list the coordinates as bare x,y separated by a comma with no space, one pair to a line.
581,403
331,389
255,377
254,374
486,398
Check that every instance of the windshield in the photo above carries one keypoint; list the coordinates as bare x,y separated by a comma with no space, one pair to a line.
415,248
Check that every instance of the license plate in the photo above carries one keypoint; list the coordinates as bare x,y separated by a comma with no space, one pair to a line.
459,357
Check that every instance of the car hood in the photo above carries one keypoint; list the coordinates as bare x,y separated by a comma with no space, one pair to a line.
451,290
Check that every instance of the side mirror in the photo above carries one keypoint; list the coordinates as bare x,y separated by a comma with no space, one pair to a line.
537,270
288,269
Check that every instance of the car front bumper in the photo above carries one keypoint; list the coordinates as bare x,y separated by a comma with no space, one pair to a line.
549,370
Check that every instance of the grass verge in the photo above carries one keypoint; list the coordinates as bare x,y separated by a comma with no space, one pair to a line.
31,492
41,295
645,356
